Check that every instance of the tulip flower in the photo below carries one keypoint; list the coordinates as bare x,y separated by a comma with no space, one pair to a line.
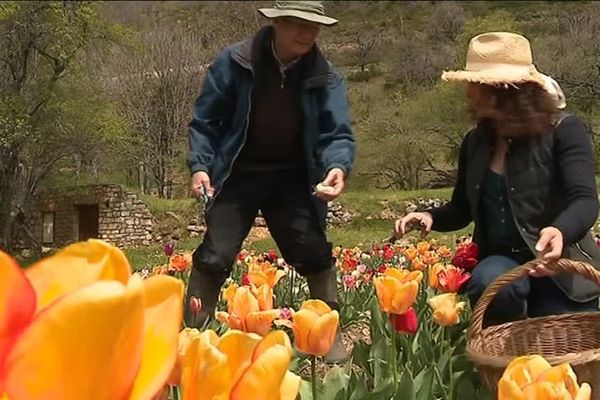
451,279
397,290
446,309
405,323
444,252
263,273
418,264
264,295
239,366
168,248
532,377
315,326
430,258
423,247
433,273
77,325
245,313
411,253
466,256
180,263
186,336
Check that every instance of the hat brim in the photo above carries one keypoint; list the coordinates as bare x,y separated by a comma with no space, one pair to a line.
496,76
305,15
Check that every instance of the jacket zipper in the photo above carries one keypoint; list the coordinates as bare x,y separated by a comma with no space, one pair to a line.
578,246
237,153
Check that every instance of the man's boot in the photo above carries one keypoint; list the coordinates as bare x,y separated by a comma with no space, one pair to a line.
206,287
323,286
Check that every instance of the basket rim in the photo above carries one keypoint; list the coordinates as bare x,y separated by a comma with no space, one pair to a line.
481,358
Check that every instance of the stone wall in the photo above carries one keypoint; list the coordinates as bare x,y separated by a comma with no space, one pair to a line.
123,218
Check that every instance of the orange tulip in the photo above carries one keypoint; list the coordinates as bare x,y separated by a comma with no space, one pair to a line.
410,253
430,258
179,263
423,247
263,273
446,309
264,295
433,273
397,289
532,377
244,312
239,366
131,342
444,252
315,326
418,264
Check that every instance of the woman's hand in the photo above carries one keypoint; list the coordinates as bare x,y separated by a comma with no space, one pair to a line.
549,247
421,220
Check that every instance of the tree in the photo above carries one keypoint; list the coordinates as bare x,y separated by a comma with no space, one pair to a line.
42,44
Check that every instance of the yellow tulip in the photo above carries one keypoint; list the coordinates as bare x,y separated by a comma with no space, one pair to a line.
96,337
264,274
397,289
244,312
315,326
446,310
239,366
532,378
186,336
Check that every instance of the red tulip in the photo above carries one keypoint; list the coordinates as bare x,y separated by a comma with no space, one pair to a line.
466,256
405,323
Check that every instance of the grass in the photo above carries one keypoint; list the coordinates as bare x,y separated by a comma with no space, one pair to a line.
364,229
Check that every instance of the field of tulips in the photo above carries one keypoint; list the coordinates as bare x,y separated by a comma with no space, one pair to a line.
81,324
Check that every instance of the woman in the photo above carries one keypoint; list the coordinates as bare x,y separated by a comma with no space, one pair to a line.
526,180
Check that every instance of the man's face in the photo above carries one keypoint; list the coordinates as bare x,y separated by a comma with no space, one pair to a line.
295,35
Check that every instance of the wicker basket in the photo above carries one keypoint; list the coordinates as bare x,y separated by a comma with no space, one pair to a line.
572,338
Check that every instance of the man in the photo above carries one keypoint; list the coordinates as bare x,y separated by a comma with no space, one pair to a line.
270,126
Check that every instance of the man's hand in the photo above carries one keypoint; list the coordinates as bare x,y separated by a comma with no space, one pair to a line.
548,247
201,185
332,186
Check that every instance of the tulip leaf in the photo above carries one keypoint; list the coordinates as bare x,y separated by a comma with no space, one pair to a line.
406,387
360,355
378,323
335,382
424,384
357,386
305,390
443,360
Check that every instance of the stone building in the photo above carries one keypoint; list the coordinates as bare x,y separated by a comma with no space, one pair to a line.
107,212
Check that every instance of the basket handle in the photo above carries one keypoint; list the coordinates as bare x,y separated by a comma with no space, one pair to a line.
562,265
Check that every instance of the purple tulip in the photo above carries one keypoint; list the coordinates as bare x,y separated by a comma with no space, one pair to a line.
169,248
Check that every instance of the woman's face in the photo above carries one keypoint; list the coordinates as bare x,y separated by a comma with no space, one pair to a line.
480,101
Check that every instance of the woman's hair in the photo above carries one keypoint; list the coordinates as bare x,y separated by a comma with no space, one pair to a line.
521,110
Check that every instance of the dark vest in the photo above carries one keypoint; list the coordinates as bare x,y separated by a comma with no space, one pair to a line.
536,196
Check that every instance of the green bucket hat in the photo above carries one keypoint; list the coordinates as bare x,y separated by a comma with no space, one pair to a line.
307,10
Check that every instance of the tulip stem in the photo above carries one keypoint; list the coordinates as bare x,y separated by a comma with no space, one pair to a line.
313,375
175,392
447,333
394,350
